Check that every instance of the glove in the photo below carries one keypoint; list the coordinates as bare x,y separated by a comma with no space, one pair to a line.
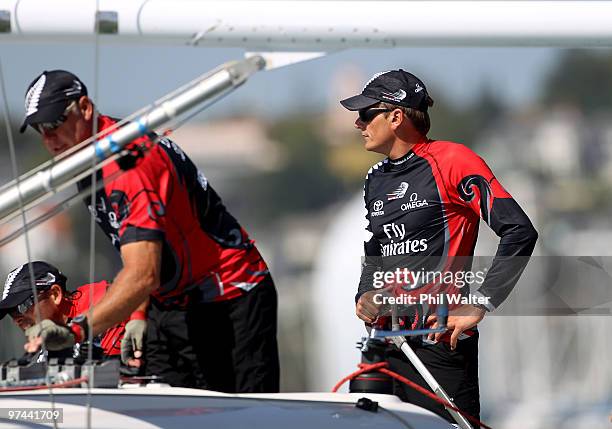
55,337
133,338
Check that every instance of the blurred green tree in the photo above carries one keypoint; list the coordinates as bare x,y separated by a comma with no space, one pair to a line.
465,123
305,182
582,78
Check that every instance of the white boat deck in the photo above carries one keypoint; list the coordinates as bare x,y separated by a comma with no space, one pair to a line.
160,406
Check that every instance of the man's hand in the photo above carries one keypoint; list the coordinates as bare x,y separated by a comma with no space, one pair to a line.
53,336
367,310
33,345
132,342
460,319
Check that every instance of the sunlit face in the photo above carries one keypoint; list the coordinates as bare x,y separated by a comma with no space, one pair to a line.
376,130
48,306
75,129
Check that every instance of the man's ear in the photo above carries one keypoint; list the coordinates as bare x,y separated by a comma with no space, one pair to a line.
397,118
56,293
86,107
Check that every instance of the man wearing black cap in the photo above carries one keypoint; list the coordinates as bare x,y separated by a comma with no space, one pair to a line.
212,315
54,304
424,202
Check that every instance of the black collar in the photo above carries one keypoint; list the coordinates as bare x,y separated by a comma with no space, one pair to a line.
400,163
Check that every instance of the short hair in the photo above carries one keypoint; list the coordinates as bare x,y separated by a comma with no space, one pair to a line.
419,119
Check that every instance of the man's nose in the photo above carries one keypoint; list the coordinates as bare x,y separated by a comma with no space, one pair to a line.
50,141
359,124
47,133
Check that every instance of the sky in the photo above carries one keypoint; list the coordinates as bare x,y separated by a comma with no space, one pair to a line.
131,76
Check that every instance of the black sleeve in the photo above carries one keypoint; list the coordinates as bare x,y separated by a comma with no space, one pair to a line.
474,186
518,239
372,255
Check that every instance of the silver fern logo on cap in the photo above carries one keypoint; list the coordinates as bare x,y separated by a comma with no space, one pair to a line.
33,95
9,281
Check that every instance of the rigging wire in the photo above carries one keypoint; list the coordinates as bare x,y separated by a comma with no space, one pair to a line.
92,222
56,209
13,156
98,136
175,123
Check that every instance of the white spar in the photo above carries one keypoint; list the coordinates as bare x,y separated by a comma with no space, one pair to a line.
313,25
31,188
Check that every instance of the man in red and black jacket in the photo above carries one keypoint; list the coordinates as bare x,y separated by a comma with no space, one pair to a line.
211,321
424,202
55,303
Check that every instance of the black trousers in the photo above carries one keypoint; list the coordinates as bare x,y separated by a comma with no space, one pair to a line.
169,349
228,346
456,371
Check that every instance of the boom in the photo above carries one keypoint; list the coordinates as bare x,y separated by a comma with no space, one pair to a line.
312,25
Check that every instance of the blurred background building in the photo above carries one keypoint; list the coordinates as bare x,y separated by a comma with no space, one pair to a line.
286,159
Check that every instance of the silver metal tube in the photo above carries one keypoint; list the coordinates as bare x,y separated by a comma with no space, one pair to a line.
35,187
312,25
403,345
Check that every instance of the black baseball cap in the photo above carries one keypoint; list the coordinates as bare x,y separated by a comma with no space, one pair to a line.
18,287
49,95
394,86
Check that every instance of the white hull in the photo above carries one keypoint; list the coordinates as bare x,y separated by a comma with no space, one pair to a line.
167,407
